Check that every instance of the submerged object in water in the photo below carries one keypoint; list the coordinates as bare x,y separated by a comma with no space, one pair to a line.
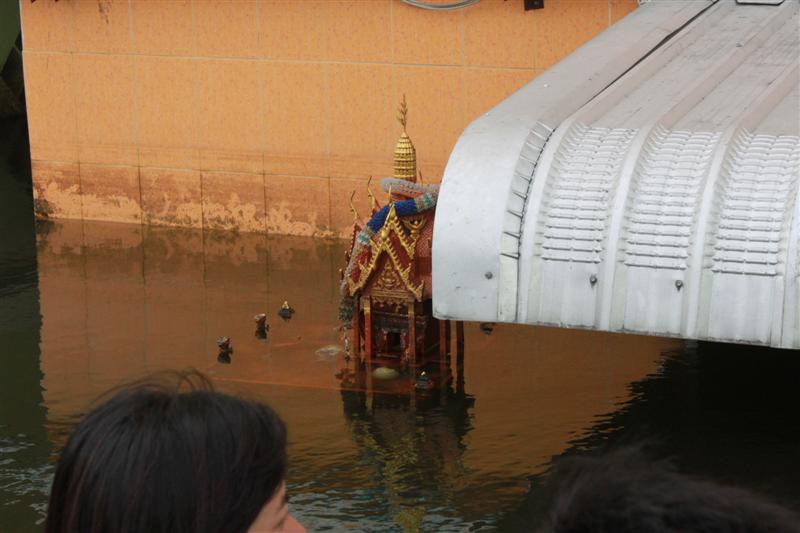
423,382
261,325
224,344
285,312
261,321
225,350
384,372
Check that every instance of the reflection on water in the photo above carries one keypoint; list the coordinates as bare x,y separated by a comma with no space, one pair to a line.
119,301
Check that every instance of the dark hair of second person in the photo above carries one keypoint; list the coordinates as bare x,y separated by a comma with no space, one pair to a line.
172,455
623,492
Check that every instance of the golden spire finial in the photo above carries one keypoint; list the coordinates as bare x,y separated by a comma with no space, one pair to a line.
405,156
403,114
353,208
375,204
389,196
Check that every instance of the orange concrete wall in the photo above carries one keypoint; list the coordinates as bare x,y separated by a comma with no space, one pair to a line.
264,115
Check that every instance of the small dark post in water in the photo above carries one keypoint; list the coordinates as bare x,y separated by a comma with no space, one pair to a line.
356,332
225,350
444,339
460,365
444,360
368,377
261,325
224,344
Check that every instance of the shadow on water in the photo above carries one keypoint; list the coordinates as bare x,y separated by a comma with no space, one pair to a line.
24,450
718,411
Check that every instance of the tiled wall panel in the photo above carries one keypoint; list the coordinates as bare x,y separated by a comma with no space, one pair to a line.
265,115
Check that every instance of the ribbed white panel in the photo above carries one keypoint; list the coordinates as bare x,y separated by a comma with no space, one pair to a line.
664,198
750,232
578,193
757,191
576,206
662,212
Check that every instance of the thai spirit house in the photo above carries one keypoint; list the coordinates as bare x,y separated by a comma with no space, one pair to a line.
386,287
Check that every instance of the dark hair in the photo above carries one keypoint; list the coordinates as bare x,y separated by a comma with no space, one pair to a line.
624,493
168,454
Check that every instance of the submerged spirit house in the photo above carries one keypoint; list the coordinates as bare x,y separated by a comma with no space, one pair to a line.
386,286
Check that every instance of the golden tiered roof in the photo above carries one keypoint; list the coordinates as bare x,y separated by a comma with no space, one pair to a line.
405,156
393,241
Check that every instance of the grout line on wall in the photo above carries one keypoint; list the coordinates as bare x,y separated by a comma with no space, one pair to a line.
264,193
395,88
258,25
194,28
274,60
330,205
463,36
202,203
196,129
196,133
135,106
326,101
262,121
73,85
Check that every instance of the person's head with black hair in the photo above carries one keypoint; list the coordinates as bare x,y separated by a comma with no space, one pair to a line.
171,455
623,492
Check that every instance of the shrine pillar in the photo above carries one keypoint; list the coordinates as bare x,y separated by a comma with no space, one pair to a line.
366,306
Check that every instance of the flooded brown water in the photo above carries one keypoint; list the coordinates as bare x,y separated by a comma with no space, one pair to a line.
119,302
87,306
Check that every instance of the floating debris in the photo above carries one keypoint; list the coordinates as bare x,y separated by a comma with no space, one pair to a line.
384,372
224,358
285,312
328,352
487,327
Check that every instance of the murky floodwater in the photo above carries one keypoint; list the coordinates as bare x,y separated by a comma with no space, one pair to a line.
84,306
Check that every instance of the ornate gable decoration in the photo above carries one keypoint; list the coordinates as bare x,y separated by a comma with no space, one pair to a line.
393,241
